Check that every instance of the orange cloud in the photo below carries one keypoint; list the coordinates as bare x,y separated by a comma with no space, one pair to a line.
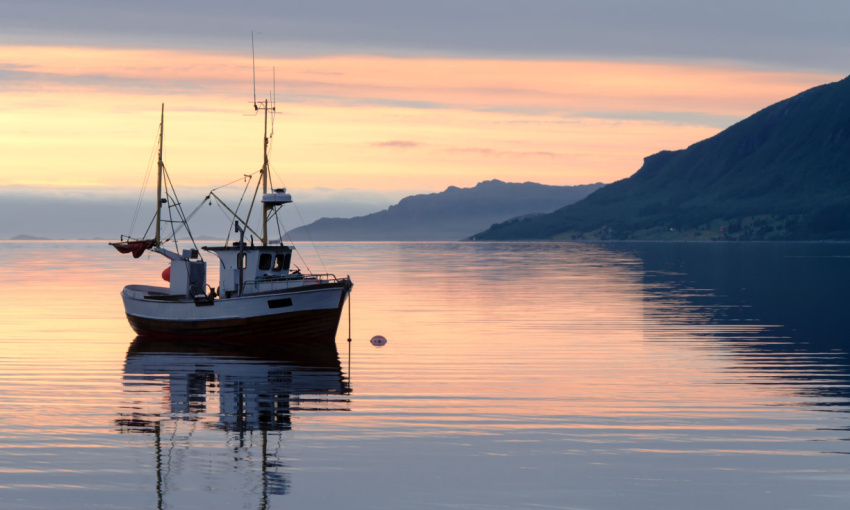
565,86
85,116
397,144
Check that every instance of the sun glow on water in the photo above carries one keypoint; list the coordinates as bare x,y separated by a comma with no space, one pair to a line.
566,372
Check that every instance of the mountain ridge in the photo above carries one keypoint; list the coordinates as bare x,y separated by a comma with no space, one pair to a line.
449,215
780,174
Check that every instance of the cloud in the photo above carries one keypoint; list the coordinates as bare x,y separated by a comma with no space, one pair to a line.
764,32
397,144
676,93
502,154
466,120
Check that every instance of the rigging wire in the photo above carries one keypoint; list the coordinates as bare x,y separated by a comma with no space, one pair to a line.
277,222
297,252
179,209
277,218
225,213
170,217
144,184
310,237
149,226
236,211
168,202
235,181
277,175
184,221
232,212
191,215
253,200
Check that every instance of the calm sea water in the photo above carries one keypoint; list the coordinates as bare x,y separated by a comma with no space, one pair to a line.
516,375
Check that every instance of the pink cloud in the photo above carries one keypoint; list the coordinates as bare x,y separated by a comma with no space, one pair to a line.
397,144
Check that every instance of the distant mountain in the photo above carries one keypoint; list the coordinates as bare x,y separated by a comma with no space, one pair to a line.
783,173
27,237
450,215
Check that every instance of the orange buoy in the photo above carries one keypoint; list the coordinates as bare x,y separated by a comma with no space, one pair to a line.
166,274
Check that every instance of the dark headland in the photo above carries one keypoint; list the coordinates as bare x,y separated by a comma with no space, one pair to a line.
450,215
780,174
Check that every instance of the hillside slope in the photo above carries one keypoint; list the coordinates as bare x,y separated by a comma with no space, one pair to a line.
781,173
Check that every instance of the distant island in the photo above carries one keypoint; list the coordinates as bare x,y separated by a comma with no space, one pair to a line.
781,174
26,237
450,215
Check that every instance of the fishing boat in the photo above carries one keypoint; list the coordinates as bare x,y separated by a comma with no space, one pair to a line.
260,295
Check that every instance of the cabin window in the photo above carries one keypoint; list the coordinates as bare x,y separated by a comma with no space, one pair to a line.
265,261
281,262
241,260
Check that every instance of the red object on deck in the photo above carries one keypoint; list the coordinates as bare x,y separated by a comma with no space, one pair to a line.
134,247
166,274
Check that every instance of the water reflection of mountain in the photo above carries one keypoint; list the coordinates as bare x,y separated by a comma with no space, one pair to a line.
779,307
200,399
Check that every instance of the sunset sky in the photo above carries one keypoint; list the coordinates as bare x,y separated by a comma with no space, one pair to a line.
379,99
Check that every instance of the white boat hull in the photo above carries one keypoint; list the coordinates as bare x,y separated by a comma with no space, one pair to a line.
310,312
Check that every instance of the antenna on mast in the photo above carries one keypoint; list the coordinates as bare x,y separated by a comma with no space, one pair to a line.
264,172
254,70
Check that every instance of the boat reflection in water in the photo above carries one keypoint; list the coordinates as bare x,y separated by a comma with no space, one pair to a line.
219,412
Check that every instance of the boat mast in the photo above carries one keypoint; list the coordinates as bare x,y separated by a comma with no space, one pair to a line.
159,176
266,171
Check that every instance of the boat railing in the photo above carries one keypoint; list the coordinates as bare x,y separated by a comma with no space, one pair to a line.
297,277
